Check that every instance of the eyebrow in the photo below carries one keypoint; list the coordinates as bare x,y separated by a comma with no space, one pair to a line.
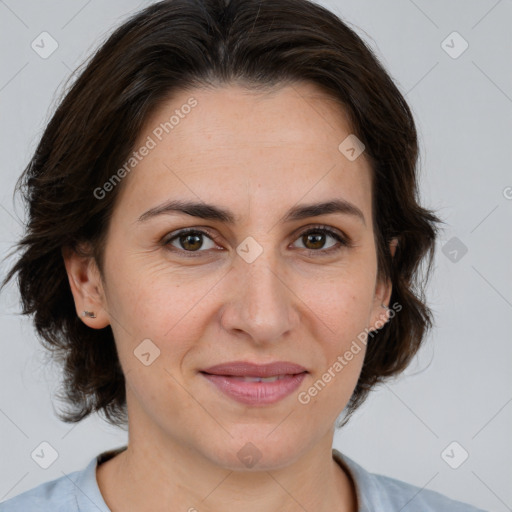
212,212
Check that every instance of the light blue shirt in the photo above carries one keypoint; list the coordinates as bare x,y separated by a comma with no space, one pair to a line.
79,492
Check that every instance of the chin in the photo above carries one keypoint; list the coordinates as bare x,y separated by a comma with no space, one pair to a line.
257,450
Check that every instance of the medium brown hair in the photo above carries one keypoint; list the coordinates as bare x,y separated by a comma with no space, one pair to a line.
177,45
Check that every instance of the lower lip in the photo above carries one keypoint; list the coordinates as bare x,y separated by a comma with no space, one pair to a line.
256,393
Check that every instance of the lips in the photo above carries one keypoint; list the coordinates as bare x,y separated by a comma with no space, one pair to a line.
278,369
256,385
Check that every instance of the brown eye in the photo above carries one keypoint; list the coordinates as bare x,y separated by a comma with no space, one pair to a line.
315,239
189,240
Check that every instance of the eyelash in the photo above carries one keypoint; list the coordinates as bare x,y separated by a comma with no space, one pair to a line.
342,240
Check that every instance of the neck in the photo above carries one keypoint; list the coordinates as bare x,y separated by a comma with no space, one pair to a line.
164,475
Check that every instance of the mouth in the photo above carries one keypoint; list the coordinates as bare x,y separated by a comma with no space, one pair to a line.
255,370
255,378
256,385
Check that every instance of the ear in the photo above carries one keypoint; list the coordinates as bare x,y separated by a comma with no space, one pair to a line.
382,296
86,287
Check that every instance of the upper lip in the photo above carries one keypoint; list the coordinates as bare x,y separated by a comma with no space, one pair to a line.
246,369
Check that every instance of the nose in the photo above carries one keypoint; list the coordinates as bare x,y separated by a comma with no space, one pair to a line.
262,304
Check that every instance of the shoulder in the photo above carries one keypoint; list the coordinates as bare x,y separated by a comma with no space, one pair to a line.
57,495
74,492
386,494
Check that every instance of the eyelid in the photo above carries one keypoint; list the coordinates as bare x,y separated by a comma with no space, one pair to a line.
335,233
323,227
344,240
165,241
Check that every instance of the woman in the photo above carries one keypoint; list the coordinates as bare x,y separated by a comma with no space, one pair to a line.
222,249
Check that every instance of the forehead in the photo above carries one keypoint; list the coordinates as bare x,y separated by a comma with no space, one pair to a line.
230,145
233,117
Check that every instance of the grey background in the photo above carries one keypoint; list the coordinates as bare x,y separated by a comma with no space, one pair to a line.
459,387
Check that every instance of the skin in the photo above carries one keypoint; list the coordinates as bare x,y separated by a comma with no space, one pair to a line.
257,154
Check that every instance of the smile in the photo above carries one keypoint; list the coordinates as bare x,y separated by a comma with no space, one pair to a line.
256,391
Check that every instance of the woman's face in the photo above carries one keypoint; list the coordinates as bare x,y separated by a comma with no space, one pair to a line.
256,288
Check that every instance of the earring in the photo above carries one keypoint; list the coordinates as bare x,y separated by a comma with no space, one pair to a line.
384,306
89,314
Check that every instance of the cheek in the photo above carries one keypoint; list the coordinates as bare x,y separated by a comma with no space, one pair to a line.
342,315
169,308
342,304
342,319
149,295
